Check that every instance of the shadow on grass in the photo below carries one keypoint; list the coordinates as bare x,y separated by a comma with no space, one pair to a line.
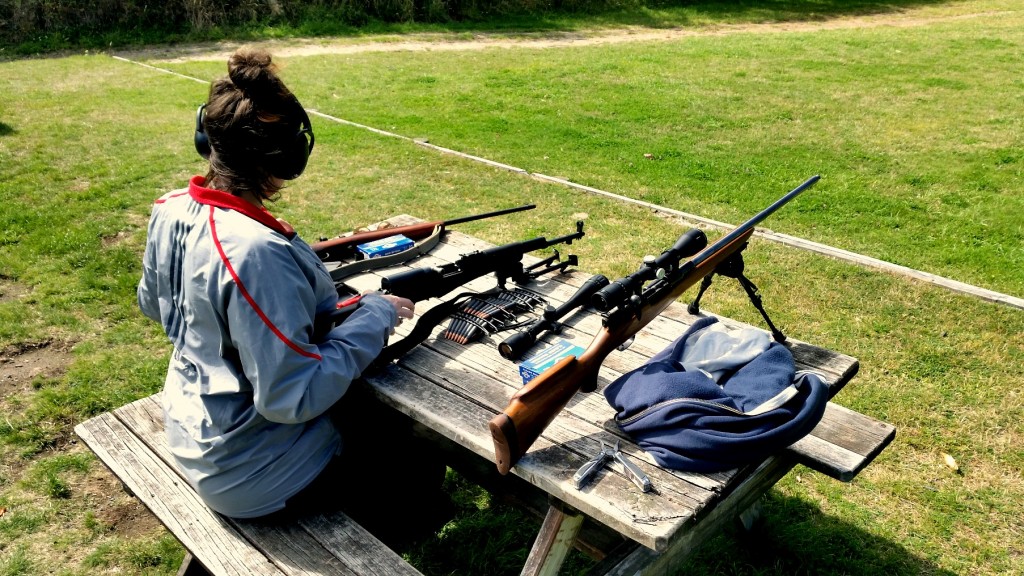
654,14
793,537
6,129
494,541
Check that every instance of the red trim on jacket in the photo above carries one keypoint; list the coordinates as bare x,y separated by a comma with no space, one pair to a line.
248,297
222,199
167,197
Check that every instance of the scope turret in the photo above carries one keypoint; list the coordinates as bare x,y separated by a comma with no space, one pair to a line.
615,294
517,344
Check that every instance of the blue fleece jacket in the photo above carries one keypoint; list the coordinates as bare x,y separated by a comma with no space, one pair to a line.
717,399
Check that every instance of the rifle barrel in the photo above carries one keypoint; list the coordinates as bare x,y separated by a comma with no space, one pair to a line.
742,228
462,219
345,246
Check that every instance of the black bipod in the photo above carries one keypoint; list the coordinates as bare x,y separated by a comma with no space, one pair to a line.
732,267
550,264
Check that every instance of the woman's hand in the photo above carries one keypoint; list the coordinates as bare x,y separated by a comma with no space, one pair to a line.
403,306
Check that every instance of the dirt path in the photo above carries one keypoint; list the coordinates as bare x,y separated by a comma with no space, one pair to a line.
444,42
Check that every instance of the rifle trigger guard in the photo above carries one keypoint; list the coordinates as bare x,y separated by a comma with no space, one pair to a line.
625,344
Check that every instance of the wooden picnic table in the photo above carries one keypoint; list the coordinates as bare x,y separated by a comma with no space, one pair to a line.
452,391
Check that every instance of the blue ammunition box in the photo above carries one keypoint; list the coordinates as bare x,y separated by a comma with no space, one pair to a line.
385,246
546,358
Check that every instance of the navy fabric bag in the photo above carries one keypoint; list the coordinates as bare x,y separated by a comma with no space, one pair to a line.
716,400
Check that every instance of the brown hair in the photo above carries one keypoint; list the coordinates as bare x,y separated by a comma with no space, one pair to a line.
248,116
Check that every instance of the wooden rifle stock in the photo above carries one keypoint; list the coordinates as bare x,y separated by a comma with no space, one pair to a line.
345,246
533,407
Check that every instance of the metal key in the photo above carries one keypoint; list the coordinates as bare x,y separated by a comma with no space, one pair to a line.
633,472
587,471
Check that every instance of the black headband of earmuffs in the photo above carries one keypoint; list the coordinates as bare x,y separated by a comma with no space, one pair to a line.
286,162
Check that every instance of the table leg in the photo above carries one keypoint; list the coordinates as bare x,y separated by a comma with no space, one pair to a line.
555,539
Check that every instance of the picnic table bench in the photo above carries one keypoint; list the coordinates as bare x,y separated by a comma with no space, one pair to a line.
451,391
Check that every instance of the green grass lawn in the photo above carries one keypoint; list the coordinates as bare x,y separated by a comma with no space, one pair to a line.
912,117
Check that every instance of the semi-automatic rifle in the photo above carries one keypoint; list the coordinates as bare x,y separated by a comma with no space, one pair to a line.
630,304
418,284
344,247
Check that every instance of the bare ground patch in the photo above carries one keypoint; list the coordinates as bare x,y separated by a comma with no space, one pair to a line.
119,512
98,512
22,363
10,290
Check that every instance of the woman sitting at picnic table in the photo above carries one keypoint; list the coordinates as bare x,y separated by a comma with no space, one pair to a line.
251,404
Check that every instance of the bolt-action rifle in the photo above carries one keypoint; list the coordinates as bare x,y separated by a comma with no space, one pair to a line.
630,304
345,246
418,284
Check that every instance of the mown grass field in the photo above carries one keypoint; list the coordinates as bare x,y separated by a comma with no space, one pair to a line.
911,113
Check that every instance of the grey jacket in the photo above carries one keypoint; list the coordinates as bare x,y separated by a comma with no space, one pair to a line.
246,392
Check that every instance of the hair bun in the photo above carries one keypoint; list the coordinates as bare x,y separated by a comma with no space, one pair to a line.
253,72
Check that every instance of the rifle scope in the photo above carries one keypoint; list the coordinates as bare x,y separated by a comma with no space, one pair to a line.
691,242
517,344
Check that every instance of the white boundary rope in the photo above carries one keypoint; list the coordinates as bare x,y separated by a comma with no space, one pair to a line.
792,241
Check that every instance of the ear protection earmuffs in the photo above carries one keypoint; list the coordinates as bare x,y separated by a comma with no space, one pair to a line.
286,162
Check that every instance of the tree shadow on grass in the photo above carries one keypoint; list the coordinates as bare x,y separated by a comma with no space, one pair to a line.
654,14
670,14
794,537
6,129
